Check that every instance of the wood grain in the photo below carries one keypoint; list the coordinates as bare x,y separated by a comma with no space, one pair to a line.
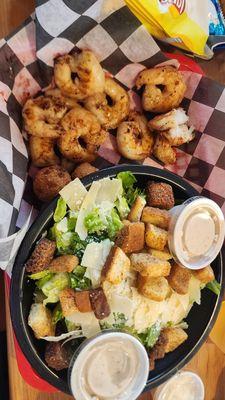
209,362
13,13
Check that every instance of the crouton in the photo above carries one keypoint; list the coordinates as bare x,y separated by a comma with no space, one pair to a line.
161,255
116,266
156,217
174,338
160,194
41,256
99,303
40,320
204,275
163,150
82,170
158,351
57,356
131,237
82,301
136,209
154,288
155,237
67,299
149,266
65,263
179,279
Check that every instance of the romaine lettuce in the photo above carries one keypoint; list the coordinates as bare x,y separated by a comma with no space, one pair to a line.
151,335
214,286
130,191
122,207
78,280
57,314
39,275
44,279
95,224
53,287
60,210
114,224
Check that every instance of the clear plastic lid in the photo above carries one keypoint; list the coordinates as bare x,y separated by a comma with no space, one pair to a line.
196,232
112,365
185,385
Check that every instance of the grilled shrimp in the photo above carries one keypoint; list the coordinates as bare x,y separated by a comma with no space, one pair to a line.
173,126
109,115
169,120
163,150
179,135
42,151
57,94
164,88
42,115
89,79
134,139
82,135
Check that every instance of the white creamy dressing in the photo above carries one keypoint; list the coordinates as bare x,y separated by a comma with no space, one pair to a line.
184,386
109,369
199,233
196,232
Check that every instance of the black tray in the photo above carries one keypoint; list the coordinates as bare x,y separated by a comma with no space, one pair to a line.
200,319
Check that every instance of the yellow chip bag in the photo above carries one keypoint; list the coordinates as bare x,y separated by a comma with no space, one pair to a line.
183,23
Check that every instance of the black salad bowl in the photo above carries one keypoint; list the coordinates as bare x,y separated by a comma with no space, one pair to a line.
200,319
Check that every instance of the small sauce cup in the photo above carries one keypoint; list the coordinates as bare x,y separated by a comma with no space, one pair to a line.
185,385
112,365
196,232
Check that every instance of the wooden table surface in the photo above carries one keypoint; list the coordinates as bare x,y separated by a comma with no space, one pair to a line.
209,362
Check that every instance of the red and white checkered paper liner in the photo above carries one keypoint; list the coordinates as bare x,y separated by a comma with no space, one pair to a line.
124,48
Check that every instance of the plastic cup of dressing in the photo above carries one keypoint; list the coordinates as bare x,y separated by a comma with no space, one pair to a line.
185,385
109,366
196,232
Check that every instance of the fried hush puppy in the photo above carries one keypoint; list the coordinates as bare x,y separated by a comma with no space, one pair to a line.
49,181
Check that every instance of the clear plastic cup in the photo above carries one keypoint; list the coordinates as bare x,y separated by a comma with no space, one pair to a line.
185,385
80,367
196,232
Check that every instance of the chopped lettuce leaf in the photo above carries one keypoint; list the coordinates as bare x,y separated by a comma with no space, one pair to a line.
120,320
39,275
78,280
57,314
130,192
114,224
60,210
72,220
128,179
122,207
93,222
151,335
53,287
62,226
41,282
214,286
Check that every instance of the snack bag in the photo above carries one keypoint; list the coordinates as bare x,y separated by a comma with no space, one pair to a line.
183,23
